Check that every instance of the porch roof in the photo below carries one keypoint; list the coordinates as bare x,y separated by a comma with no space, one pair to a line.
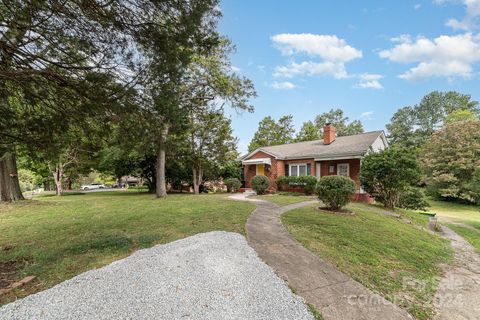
258,161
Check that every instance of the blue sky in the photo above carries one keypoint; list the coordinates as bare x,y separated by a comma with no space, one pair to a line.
367,57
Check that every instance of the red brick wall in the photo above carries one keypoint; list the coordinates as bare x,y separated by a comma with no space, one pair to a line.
278,169
271,171
354,169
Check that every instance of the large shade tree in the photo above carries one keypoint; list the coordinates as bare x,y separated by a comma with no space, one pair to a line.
271,132
55,56
342,123
413,125
450,159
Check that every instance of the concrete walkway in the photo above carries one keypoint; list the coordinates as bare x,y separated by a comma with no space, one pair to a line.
458,292
334,294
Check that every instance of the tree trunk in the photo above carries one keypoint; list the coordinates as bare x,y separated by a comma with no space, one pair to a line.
197,179
196,187
161,190
9,184
58,178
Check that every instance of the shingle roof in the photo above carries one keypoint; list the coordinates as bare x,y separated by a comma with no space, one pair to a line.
354,145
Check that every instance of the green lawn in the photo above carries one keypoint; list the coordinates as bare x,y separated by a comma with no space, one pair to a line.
451,211
57,238
382,252
462,218
284,199
471,233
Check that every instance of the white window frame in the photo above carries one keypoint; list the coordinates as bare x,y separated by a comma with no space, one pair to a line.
348,168
318,170
290,165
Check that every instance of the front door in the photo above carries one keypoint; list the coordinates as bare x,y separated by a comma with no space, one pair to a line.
260,169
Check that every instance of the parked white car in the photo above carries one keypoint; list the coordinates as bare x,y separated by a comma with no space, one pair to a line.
92,186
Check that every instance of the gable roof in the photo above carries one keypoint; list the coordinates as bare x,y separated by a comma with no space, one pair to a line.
354,145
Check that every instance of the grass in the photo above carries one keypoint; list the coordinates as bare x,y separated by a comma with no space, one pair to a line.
471,233
451,211
281,199
316,315
57,238
387,255
464,219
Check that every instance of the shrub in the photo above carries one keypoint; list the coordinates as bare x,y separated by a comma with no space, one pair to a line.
388,173
282,182
335,191
260,184
413,199
309,183
233,184
306,182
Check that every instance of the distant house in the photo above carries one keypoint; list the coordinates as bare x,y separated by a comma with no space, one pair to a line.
330,156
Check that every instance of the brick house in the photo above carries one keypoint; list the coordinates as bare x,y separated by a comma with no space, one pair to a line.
330,156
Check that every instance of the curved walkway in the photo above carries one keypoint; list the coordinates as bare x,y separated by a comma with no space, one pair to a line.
459,289
334,294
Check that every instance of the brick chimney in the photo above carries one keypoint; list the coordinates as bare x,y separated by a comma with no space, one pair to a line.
328,133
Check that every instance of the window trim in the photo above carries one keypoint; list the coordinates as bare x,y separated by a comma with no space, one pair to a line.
318,170
348,168
290,165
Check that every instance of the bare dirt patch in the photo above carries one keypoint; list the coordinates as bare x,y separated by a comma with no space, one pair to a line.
9,272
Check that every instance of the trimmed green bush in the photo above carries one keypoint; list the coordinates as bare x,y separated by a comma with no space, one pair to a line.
233,184
306,182
260,184
282,183
335,191
413,199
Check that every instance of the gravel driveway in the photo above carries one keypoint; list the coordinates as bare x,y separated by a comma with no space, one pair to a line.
213,275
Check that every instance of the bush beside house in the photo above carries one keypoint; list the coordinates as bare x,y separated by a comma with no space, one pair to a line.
387,174
304,183
233,184
260,184
335,191
414,199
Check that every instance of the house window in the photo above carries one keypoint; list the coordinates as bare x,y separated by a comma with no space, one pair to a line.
318,170
298,170
343,169
331,169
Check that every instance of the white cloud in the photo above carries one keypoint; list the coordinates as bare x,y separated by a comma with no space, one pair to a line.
471,20
369,81
337,70
235,69
417,6
283,85
366,115
332,51
444,56
327,47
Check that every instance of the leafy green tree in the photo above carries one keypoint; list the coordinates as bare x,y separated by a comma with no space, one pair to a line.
413,125
341,123
388,173
460,115
270,132
210,144
68,59
475,186
450,158
169,89
308,132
